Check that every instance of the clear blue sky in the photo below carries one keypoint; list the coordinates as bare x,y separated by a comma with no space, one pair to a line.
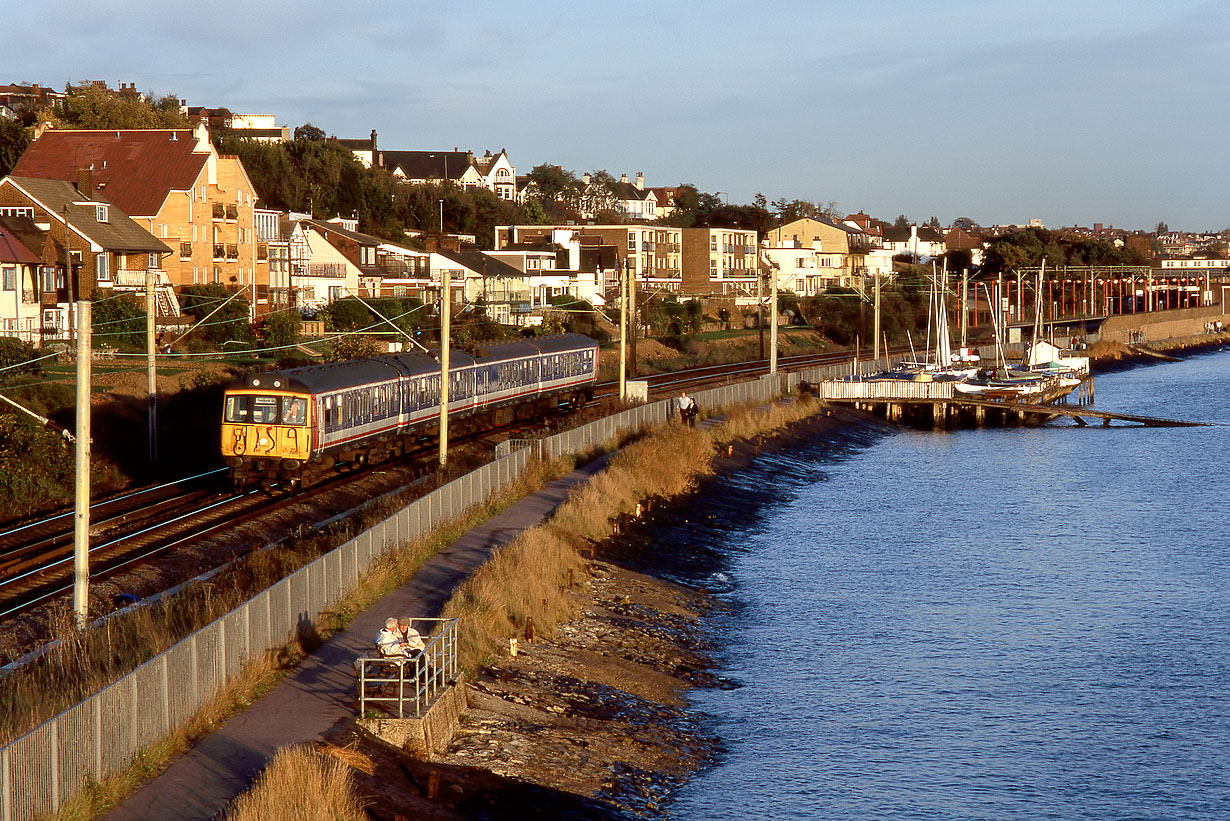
1077,111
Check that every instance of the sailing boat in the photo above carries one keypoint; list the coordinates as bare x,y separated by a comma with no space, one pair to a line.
1004,382
944,365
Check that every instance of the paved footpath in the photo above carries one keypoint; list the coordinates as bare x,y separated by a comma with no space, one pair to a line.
320,691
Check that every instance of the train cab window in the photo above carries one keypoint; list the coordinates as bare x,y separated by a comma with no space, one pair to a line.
265,410
238,409
294,410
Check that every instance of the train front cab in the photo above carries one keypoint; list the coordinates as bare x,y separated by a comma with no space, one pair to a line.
266,436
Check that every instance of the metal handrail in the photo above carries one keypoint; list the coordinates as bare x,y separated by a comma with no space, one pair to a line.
393,684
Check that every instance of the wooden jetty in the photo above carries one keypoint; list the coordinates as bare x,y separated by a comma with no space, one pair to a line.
939,405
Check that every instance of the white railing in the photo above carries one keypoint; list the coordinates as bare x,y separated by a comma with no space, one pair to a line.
886,389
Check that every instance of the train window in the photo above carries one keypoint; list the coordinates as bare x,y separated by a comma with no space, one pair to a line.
265,410
294,410
237,409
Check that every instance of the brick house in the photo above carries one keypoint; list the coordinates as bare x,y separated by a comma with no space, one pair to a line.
173,183
107,249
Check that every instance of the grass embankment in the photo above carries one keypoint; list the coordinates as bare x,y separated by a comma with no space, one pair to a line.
528,579
301,783
86,662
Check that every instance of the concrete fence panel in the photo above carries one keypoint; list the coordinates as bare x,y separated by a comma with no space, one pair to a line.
34,773
235,640
76,753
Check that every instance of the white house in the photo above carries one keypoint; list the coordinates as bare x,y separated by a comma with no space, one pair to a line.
319,273
20,311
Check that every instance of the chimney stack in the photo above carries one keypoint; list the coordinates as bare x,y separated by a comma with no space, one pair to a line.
640,180
623,177
85,182
373,141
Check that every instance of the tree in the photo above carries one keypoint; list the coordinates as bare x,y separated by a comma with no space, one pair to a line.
227,314
965,224
601,195
16,356
534,213
1162,228
348,314
902,221
91,106
353,346
118,321
307,131
14,138
281,329
934,222
559,191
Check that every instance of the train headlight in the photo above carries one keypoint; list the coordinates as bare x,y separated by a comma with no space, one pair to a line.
264,441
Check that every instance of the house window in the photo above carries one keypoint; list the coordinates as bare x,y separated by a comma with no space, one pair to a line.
100,213
102,267
153,262
631,240
8,278
16,211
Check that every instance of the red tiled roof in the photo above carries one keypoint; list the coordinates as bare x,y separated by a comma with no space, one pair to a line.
13,250
134,169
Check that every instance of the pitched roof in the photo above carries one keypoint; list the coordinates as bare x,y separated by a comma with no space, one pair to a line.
627,192
14,241
427,165
479,262
823,221
358,237
136,168
118,233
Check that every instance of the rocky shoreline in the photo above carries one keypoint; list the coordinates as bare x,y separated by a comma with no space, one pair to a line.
592,723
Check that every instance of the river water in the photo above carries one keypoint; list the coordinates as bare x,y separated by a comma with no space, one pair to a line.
985,624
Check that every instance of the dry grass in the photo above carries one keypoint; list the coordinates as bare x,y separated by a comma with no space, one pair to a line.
84,662
528,578
300,783
257,677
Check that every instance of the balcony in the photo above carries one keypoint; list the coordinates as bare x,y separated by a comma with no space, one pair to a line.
125,278
232,252
232,213
219,252
185,250
219,211
335,270
398,269
262,251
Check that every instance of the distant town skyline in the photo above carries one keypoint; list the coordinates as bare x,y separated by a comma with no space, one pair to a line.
1072,113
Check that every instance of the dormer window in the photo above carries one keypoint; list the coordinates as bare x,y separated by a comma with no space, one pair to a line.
100,213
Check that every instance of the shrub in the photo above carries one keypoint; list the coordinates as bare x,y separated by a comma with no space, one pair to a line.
36,466
14,354
281,329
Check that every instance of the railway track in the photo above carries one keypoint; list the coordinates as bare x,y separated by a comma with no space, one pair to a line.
36,558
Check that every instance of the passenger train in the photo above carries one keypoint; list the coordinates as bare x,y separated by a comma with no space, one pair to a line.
280,426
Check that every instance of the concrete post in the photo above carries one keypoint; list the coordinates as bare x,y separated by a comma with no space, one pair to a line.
81,522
